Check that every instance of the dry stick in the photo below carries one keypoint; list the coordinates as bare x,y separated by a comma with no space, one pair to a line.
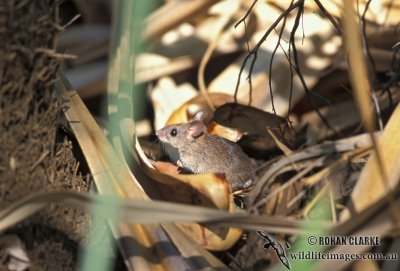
249,77
52,53
257,46
40,160
285,149
247,37
372,66
318,162
314,201
338,146
395,77
247,14
207,55
291,71
332,202
365,40
63,27
286,184
300,5
270,65
270,73
295,199
291,68
369,222
361,87
378,110
302,26
329,16
76,17
297,68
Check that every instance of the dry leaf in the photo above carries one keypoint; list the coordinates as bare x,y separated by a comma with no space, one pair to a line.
253,124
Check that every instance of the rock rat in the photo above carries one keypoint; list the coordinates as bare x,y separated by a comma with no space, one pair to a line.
192,148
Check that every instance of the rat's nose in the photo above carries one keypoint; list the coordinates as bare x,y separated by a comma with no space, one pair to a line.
160,133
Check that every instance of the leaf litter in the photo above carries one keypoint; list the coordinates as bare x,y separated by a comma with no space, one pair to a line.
293,71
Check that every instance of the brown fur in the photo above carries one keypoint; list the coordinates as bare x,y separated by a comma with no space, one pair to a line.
207,153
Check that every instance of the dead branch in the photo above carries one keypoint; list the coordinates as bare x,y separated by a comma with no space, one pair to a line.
253,52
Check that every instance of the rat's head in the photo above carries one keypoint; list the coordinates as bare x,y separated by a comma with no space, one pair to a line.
179,135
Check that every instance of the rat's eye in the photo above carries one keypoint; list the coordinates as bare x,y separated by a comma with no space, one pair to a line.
174,132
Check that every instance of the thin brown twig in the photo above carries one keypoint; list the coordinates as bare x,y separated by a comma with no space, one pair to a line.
206,57
300,75
253,52
343,145
332,202
40,160
54,54
329,16
249,76
247,36
278,43
243,20
358,74
287,184
272,60
394,78
299,4
291,68
61,28
70,22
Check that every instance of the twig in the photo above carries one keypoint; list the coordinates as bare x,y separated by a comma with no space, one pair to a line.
395,77
40,160
314,201
295,199
270,66
253,52
373,66
358,75
297,67
247,14
365,41
378,110
286,184
329,16
207,55
360,141
76,17
332,202
52,53
299,4
61,28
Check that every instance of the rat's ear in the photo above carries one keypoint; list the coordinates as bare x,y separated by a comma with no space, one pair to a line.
201,116
196,129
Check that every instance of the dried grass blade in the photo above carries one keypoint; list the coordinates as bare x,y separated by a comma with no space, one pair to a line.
137,211
370,186
380,164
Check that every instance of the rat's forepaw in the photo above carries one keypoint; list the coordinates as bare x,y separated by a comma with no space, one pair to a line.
179,163
182,169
